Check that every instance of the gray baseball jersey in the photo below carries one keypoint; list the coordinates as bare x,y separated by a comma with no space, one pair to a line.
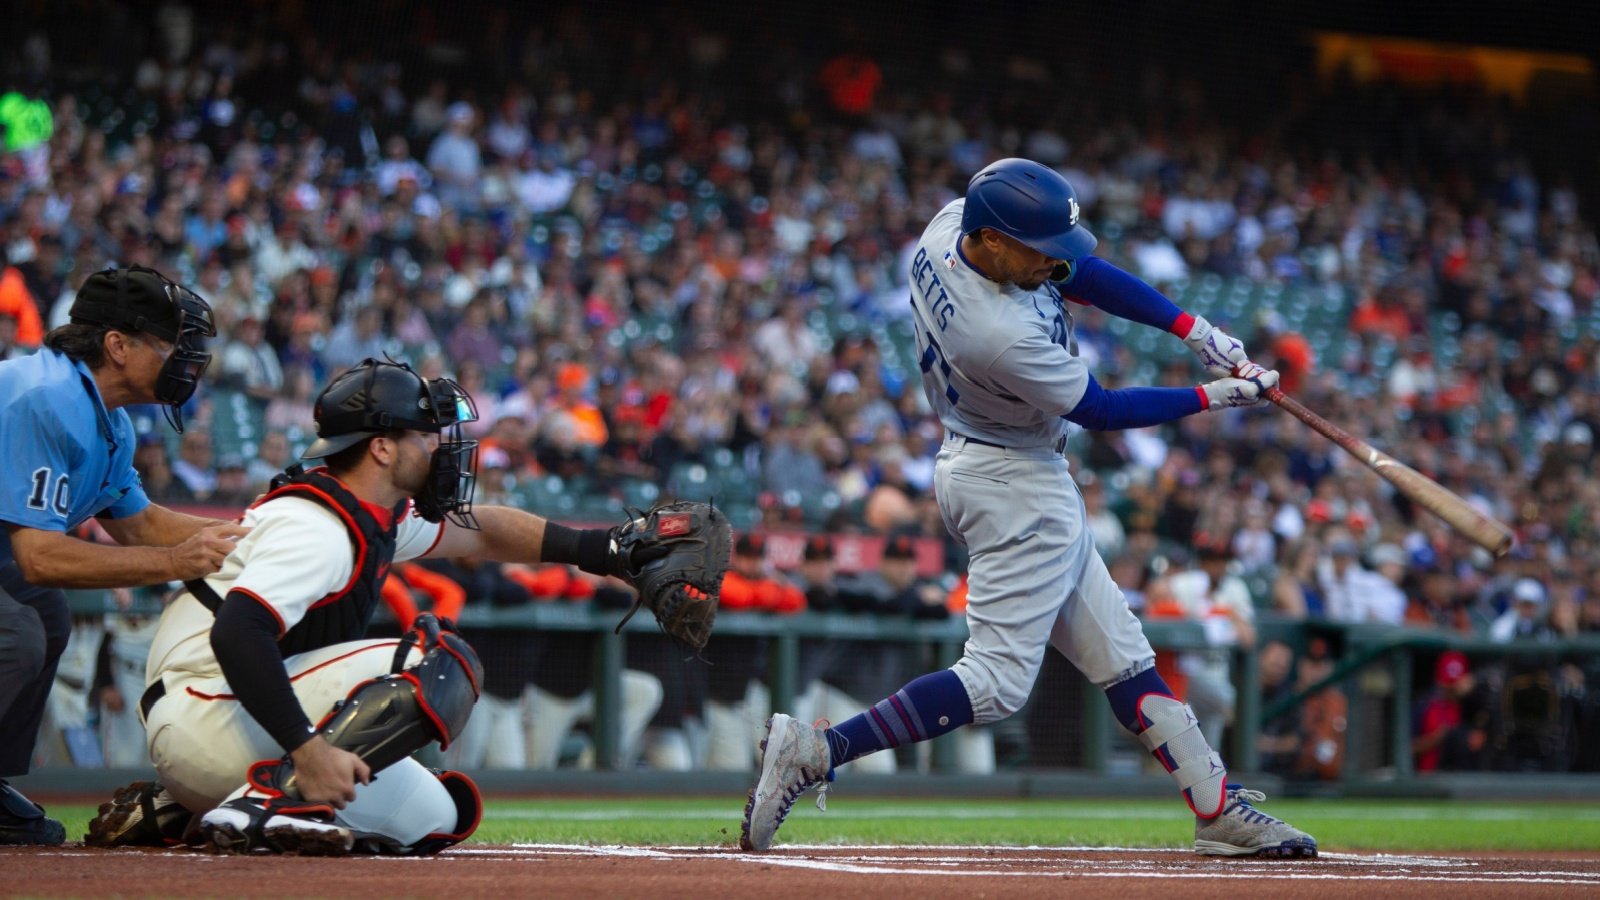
1000,366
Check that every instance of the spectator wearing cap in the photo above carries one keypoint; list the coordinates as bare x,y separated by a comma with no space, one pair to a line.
1453,719
1352,592
234,489
1527,618
455,160
194,466
248,363
358,337
154,464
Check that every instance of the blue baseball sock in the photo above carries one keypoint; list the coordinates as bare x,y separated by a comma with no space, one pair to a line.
922,710
1124,696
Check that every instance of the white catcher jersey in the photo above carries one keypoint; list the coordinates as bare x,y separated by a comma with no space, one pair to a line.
999,364
297,552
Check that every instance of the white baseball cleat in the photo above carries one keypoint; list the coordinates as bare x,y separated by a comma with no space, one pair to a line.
242,825
794,758
1243,830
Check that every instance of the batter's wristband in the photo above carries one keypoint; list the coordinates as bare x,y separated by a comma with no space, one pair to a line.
1182,325
585,548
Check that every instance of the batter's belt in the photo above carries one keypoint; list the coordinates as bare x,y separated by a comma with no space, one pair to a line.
957,441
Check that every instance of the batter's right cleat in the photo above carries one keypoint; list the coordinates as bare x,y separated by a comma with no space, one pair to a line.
1243,830
242,825
23,822
143,814
794,758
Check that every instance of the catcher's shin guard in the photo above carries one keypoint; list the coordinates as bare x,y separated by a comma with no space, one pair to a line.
1172,735
385,720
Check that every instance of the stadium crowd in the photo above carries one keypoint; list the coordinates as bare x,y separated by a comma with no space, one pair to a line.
653,284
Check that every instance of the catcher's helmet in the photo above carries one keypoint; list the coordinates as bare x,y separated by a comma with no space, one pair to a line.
1030,202
379,396
138,300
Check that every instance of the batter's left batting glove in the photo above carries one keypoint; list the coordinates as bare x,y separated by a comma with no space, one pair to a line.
1220,352
1230,391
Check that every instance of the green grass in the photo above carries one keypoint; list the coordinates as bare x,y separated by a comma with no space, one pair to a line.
1368,825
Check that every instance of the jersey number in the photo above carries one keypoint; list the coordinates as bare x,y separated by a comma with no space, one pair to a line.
935,354
41,485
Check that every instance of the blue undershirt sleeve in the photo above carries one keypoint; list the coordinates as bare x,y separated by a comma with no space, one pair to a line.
1101,284
1136,407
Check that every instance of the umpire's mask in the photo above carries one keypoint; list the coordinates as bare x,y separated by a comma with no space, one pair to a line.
141,300
379,396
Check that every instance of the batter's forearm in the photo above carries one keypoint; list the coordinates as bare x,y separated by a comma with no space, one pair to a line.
50,559
1137,407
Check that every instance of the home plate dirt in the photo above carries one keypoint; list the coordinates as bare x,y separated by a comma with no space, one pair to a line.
565,870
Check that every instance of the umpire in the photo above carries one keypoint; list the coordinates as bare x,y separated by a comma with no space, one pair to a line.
134,337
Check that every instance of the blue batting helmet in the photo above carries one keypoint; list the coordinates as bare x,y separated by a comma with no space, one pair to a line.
1031,203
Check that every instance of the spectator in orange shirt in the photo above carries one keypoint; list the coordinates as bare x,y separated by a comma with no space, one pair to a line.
588,424
1382,313
16,302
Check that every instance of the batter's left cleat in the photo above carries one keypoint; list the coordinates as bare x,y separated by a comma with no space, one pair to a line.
1243,830
794,759
143,814
243,825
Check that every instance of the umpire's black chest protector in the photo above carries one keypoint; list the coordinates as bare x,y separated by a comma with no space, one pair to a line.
344,614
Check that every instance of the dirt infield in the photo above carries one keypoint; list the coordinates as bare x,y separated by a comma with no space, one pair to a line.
483,870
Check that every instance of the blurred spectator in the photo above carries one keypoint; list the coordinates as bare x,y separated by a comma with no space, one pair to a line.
249,364
154,465
1354,593
272,457
234,488
194,467
17,303
1528,615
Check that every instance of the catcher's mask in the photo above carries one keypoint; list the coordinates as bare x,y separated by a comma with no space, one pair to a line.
379,396
140,300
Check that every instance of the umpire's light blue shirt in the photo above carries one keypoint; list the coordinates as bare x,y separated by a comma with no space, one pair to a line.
66,456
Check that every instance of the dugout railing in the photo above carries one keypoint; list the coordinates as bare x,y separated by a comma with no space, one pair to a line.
1393,652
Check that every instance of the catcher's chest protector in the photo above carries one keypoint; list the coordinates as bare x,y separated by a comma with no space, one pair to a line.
345,614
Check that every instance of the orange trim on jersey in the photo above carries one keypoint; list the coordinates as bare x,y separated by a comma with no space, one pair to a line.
282,628
360,560
386,645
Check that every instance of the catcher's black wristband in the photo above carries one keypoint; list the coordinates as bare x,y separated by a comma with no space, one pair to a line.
585,548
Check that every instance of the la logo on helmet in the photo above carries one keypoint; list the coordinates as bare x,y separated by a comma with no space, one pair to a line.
1072,211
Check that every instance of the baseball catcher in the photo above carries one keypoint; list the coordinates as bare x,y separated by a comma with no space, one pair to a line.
267,711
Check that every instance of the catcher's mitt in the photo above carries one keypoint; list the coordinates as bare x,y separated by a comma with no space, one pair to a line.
675,555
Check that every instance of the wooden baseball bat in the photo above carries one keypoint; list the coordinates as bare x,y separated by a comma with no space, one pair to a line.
1422,490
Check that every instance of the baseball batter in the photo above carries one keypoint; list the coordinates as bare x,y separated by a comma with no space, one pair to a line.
134,337
266,711
991,281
